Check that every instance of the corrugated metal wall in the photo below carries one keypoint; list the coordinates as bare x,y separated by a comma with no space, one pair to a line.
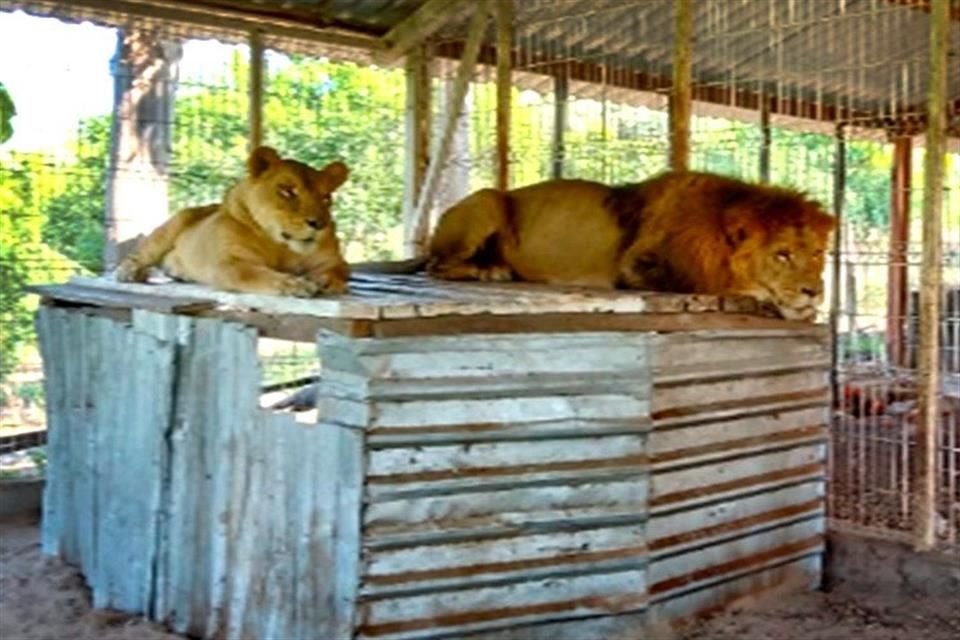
512,484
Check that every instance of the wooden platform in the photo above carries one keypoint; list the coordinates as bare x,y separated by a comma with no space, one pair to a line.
409,305
588,467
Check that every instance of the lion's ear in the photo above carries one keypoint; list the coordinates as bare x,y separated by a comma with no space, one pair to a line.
261,159
333,175
737,227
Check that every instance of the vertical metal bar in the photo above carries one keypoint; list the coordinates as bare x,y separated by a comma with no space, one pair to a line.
765,141
897,258
839,188
504,87
560,92
256,89
417,139
931,276
681,93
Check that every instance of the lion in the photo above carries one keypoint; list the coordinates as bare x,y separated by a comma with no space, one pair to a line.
273,233
680,231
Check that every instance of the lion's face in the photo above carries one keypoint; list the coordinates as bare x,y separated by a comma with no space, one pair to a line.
782,264
291,201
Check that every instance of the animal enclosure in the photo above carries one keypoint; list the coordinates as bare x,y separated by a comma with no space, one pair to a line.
831,97
485,457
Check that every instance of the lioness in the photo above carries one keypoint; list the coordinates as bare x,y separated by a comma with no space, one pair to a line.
272,234
686,232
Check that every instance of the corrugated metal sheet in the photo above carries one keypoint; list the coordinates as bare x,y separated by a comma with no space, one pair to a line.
866,55
738,454
545,484
506,477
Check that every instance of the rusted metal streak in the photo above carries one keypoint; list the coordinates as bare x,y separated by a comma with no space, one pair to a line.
454,487
807,544
743,483
582,427
611,604
664,380
821,393
480,472
638,552
664,543
487,528
803,433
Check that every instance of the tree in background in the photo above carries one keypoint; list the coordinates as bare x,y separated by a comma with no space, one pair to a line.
144,72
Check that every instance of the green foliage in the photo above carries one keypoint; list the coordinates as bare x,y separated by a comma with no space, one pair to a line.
7,111
25,185
74,216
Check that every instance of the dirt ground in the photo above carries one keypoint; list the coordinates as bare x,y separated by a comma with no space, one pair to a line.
42,599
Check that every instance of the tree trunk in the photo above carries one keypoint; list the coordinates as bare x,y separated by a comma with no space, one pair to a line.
455,179
145,78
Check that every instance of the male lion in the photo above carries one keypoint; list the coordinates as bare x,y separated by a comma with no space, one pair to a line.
272,234
686,232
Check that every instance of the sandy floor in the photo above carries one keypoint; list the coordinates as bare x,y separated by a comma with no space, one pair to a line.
41,599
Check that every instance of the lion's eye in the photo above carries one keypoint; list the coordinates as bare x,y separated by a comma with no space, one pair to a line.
784,256
287,191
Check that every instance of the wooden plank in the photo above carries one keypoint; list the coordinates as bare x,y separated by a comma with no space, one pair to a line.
78,293
515,558
693,527
574,321
931,282
52,337
675,488
416,28
476,609
682,571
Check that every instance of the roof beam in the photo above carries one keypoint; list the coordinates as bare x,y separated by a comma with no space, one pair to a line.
420,25
924,5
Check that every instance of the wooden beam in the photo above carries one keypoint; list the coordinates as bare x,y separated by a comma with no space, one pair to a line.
924,5
561,91
681,95
931,279
421,221
256,89
417,141
504,90
897,255
423,23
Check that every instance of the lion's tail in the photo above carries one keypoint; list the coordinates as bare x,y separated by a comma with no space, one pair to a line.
152,249
396,267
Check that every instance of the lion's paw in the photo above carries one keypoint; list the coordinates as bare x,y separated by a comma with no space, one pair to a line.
498,273
299,287
129,270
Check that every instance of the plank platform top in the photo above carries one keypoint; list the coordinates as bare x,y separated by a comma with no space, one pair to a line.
386,297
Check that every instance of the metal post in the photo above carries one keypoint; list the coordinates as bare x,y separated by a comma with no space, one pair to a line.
504,87
839,189
928,381
765,142
681,94
561,89
899,239
256,89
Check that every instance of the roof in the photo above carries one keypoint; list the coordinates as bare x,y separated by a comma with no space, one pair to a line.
852,60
